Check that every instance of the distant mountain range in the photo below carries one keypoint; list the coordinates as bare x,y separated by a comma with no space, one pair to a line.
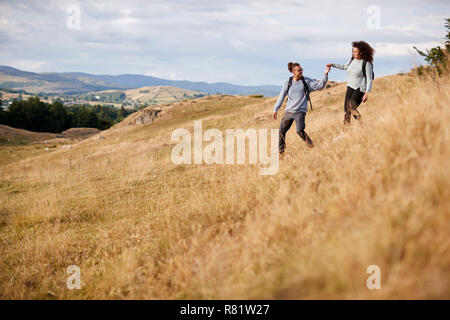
77,82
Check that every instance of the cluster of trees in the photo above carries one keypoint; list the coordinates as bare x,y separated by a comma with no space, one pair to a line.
195,95
437,57
35,115
112,97
14,90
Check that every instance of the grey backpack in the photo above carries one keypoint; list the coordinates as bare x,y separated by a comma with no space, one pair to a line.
364,68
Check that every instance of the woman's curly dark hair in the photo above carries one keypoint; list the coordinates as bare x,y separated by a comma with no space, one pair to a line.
365,50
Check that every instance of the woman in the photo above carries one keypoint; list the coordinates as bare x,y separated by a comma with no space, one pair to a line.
358,84
297,103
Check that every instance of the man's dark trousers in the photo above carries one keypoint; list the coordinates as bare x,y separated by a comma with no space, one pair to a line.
286,123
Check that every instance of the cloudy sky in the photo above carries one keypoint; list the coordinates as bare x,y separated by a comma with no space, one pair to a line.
237,41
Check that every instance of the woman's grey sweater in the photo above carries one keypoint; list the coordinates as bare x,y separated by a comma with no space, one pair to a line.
355,75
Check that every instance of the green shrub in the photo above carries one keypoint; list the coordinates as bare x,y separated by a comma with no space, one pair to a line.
436,57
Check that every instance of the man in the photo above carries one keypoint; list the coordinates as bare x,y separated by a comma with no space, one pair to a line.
297,104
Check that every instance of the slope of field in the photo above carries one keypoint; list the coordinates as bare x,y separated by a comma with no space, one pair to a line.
139,226
17,144
17,135
159,94
8,95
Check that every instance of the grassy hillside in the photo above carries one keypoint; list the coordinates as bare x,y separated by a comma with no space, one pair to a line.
144,95
159,94
17,144
140,226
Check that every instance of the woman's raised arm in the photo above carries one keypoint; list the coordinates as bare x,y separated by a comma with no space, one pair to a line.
340,66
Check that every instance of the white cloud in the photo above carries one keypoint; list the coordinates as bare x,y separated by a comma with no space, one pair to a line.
27,65
207,40
401,49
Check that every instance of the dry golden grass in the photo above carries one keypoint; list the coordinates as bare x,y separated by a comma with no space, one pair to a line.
139,226
158,94
17,135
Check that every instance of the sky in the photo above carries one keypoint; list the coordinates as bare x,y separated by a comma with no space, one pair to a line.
236,41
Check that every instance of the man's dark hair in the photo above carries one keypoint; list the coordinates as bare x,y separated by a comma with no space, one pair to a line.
291,65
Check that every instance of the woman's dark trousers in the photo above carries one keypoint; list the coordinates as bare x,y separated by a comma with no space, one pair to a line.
353,99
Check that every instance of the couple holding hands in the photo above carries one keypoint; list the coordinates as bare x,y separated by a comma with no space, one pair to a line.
359,83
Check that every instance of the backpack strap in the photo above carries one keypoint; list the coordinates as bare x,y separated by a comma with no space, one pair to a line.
289,84
305,87
364,68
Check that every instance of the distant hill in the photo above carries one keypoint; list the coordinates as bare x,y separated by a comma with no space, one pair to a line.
11,78
160,94
77,82
128,98
143,95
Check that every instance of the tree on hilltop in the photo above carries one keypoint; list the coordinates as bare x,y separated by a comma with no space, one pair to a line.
437,57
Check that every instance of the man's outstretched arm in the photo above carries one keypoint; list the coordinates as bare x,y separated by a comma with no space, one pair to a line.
281,97
316,84
280,100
